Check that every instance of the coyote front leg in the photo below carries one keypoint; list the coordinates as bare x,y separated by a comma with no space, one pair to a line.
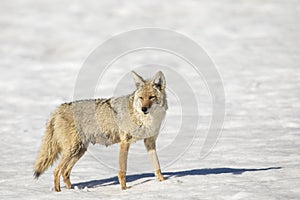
124,147
151,148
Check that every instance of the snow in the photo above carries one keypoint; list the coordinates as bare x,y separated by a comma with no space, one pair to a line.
255,46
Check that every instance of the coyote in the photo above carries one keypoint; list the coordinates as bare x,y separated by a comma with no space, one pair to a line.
123,120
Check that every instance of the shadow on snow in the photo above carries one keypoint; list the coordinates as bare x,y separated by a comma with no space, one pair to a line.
167,175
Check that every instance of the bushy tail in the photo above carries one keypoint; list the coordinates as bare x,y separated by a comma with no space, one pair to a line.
49,151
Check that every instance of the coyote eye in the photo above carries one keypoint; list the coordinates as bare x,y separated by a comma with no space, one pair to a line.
152,97
141,98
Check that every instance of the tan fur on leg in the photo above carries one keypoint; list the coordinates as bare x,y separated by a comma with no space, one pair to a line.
57,180
67,171
155,163
151,148
124,147
122,179
58,171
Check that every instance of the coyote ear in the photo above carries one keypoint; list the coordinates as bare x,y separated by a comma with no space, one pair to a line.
139,81
159,80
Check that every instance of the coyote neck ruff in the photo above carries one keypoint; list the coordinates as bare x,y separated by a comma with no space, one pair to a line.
122,120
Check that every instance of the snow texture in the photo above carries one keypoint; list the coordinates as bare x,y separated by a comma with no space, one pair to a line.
255,46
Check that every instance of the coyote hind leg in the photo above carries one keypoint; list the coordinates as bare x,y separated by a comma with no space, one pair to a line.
65,166
67,170
58,170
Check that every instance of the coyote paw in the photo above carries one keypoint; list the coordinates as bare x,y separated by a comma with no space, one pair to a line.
159,175
160,178
126,188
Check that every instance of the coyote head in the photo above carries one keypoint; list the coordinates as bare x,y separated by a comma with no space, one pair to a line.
149,93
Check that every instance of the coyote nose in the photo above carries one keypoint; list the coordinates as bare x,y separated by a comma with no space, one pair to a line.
144,109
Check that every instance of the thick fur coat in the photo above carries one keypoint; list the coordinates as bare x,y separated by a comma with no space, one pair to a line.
127,119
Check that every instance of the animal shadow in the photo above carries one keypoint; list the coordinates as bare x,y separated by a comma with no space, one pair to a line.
167,175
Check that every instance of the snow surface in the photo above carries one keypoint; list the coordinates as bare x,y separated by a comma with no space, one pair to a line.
255,45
